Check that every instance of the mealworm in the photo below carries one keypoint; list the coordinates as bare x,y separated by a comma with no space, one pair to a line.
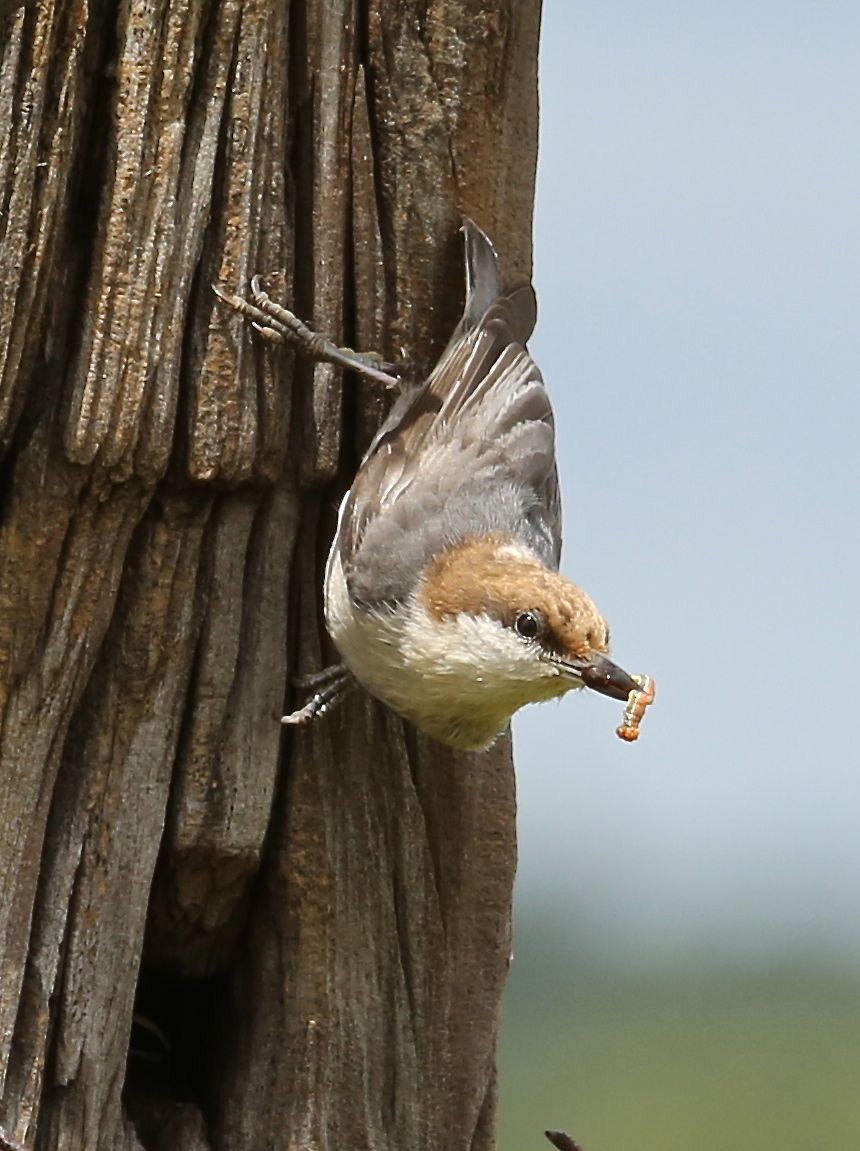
637,702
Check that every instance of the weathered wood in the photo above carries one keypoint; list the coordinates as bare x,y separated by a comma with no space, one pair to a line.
44,93
238,411
314,926
381,941
225,770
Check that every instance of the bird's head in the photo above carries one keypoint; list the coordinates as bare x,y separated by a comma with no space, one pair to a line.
503,631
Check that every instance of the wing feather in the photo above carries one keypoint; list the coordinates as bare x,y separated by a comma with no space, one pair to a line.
470,451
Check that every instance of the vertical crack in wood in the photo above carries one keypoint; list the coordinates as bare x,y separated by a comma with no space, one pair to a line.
66,609
127,365
43,91
326,56
238,415
370,297
112,796
225,773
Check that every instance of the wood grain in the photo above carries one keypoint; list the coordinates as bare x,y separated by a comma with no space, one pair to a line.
315,927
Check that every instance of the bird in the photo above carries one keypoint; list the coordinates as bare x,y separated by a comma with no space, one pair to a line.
443,595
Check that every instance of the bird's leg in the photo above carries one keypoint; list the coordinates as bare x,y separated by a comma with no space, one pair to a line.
316,679
333,684
317,347
278,324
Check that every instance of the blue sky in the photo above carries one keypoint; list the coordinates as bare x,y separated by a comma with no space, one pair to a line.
697,262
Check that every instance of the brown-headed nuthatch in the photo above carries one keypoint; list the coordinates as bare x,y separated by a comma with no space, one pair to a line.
442,591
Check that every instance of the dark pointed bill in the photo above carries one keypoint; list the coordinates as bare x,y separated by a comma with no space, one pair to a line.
600,674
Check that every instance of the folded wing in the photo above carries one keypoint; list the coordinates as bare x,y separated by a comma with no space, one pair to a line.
470,451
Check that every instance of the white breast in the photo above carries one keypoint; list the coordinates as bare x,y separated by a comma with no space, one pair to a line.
459,679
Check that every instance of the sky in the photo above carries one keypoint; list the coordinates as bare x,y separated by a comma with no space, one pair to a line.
697,264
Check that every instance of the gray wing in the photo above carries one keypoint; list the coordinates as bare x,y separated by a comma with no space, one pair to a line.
470,451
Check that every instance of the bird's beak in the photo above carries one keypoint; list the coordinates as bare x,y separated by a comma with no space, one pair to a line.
601,674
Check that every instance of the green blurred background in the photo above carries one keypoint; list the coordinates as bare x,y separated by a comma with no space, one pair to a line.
689,1057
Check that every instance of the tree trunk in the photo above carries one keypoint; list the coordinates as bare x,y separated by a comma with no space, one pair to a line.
213,935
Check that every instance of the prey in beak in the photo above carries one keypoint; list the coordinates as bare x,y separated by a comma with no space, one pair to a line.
603,676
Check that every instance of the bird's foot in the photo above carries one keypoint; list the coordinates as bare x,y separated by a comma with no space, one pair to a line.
279,325
333,684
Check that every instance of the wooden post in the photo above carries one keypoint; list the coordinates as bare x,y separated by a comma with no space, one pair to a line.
213,934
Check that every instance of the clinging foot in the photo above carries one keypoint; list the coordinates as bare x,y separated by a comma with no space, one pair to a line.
333,684
279,325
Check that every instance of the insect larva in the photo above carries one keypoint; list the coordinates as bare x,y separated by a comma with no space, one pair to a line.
637,702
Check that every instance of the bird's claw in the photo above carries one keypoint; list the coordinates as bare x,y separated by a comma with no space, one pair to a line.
278,325
333,685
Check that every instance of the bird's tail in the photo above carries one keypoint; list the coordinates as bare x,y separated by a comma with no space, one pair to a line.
482,274
483,290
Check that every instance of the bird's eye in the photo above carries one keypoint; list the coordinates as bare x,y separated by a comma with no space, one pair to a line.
528,624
